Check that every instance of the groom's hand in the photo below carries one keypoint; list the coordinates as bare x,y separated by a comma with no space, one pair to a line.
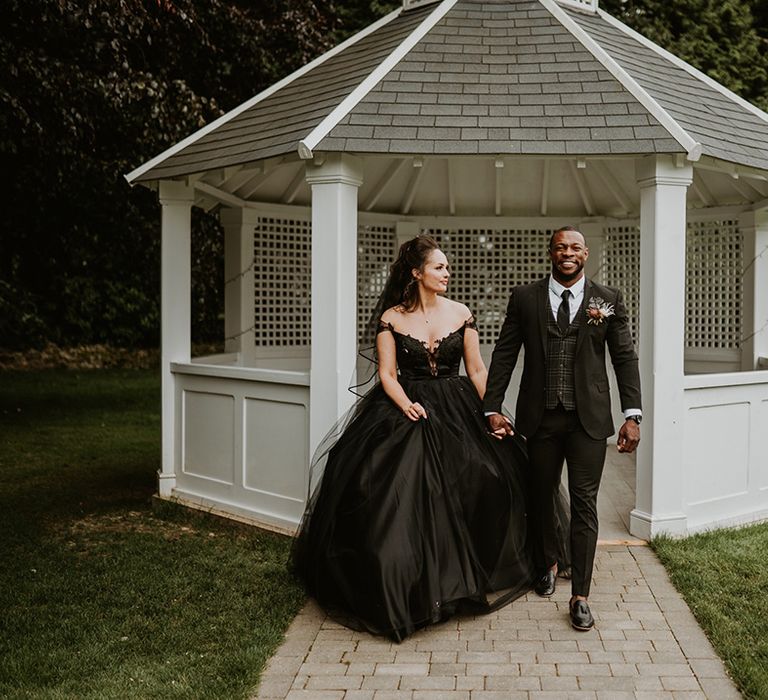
499,426
629,436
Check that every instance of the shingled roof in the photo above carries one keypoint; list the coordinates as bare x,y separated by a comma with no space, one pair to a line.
484,77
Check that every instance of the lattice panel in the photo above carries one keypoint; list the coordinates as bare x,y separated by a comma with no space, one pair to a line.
620,268
714,264
375,253
487,263
282,266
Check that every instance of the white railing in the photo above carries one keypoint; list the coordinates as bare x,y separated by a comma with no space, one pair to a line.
243,442
725,454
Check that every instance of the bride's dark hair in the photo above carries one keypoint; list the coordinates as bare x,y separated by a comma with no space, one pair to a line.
401,288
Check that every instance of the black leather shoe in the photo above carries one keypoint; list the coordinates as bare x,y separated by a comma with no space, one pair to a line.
581,616
545,586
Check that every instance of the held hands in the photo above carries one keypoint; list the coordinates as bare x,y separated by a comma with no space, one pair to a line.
415,411
499,426
629,436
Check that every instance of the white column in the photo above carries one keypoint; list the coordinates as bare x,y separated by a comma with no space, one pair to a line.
334,180
754,227
239,308
659,500
175,313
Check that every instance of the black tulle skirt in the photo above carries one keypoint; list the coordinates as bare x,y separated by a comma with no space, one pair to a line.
412,522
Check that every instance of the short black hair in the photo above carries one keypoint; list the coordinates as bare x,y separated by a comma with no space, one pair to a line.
562,228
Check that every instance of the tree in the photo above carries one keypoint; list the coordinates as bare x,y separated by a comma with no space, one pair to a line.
88,90
722,38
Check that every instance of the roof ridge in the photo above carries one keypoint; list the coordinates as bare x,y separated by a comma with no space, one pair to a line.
691,146
680,63
322,130
231,114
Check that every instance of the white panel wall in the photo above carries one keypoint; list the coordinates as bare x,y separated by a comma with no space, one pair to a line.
725,454
245,436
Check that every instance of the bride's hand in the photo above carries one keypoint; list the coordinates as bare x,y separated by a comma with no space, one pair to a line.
499,426
415,411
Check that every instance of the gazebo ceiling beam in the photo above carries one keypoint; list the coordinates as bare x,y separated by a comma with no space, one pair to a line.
720,166
701,190
384,182
293,188
583,188
752,185
741,188
451,187
250,188
419,166
612,185
543,207
220,195
236,181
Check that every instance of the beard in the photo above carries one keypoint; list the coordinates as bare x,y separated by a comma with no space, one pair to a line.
567,275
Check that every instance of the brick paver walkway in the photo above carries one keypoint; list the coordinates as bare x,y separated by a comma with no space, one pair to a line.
646,645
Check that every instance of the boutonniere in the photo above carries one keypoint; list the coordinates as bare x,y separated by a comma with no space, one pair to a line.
598,310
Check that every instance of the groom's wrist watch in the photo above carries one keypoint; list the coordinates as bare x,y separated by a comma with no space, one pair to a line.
637,418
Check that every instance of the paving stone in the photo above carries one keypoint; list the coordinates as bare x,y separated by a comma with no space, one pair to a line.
470,682
559,683
381,682
720,688
334,683
401,669
680,683
428,683
664,670
315,695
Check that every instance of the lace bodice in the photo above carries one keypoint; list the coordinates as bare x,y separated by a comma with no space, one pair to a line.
416,359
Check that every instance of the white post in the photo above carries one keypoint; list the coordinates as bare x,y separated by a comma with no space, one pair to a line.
754,227
175,313
334,180
239,304
659,504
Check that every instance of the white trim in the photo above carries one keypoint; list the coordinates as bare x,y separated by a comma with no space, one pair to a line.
685,66
588,7
173,150
322,130
692,382
692,147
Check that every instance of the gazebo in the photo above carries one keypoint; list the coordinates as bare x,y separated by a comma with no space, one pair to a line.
488,123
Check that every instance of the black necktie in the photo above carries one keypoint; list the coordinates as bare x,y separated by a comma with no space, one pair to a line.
564,312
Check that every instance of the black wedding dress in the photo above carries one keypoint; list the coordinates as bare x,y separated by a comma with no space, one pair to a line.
412,522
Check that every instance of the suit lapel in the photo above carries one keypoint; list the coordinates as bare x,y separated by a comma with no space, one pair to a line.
542,299
581,313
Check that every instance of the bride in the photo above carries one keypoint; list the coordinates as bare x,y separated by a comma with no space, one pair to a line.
419,512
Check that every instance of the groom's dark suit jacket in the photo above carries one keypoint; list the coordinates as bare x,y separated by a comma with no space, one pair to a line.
526,326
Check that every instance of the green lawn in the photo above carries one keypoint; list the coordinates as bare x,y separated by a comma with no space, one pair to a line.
723,576
100,596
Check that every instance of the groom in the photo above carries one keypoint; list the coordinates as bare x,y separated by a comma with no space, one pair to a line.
565,322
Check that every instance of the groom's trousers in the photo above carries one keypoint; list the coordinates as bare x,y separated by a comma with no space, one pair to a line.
559,438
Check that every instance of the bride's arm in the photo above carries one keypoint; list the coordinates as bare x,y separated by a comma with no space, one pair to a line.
385,348
473,360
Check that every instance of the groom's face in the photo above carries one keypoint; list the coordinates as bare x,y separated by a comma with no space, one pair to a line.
568,253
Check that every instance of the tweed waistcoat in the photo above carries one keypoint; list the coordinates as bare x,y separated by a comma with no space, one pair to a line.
561,356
